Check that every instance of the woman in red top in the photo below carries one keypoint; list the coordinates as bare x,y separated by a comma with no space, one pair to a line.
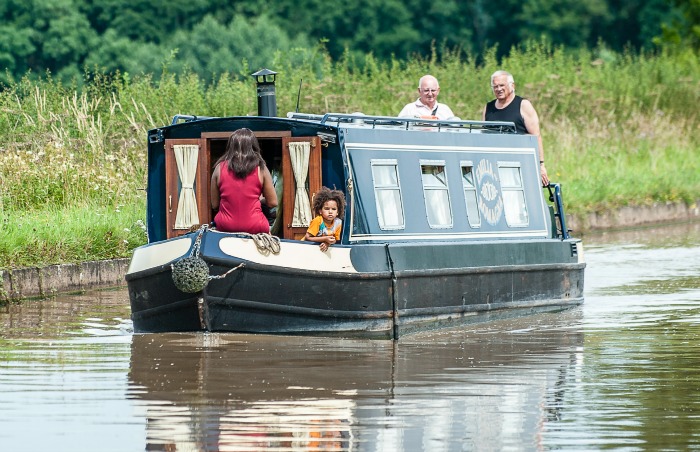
241,181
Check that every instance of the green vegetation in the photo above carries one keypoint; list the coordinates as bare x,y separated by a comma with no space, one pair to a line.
618,128
212,37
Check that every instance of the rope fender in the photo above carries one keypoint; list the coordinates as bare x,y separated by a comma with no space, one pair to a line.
191,274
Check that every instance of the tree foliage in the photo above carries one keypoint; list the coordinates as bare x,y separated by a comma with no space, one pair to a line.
210,38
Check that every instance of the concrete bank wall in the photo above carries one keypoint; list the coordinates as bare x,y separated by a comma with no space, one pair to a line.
633,216
43,282
23,283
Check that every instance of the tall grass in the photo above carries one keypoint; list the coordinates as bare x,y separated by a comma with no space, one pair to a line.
618,129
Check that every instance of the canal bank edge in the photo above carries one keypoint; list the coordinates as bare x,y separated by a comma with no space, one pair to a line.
34,282
633,216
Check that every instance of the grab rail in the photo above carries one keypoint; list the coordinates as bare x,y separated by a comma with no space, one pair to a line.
556,198
373,121
188,118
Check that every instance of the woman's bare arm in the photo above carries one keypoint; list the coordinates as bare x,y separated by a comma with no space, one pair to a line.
268,188
214,188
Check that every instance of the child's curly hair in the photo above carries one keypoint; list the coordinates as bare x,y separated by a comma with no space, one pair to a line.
326,194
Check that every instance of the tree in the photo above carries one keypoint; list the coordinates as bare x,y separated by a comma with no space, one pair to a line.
16,48
681,28
45,34
212,48
566,22
115,52
148,20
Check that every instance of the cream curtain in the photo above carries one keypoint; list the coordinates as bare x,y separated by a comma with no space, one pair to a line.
299,153
186,156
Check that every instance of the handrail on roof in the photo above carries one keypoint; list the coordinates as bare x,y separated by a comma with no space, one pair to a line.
374,121
187,118
362,119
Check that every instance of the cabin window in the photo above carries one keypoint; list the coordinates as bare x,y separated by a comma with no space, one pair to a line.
437,197
513,194
470,194
387,193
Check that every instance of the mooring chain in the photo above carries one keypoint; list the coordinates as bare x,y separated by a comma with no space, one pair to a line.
198,240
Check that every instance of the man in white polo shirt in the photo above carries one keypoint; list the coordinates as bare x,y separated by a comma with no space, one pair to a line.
427,106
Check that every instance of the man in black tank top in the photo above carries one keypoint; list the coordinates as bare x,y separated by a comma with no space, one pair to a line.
509,107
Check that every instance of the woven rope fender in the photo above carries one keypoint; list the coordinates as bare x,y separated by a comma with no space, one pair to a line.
190,274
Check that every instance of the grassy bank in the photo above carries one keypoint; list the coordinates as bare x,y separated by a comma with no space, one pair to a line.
618,130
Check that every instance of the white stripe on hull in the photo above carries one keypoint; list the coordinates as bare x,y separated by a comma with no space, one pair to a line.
292,255
158,254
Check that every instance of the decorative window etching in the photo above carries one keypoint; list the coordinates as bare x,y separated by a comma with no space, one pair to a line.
490,200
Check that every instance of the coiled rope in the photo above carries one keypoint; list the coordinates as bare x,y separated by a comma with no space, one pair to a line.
265,243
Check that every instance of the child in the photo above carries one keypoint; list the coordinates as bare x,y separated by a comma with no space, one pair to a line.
325,228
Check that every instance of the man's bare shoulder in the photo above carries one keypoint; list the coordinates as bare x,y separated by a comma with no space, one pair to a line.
526,107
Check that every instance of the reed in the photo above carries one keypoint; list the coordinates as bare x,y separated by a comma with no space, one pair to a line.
618,129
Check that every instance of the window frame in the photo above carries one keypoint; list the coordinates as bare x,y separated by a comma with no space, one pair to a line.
511,189
397,187
470,164
446,188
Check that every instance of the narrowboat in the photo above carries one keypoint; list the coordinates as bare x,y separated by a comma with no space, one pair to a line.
446,224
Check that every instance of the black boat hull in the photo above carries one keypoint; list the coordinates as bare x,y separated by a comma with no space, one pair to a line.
382,304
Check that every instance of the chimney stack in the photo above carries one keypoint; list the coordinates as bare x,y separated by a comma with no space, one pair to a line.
267,99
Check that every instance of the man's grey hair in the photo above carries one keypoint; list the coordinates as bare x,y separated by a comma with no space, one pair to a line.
426,76
500,73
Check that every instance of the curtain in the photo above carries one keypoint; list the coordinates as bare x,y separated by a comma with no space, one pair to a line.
186,156
299,154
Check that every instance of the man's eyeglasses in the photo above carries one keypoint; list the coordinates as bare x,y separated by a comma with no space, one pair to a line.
428,90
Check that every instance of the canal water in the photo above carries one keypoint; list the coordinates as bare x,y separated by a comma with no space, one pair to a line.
620,372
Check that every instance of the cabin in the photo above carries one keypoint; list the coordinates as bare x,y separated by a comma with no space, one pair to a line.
469,180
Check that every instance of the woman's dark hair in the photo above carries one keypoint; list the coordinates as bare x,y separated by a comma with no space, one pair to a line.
242,153
324,195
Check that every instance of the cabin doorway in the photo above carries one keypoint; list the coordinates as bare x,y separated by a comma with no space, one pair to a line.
294,162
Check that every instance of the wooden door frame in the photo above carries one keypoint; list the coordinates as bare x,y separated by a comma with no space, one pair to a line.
289,183
172,183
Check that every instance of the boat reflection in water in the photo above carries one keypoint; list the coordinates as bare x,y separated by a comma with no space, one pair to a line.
496,385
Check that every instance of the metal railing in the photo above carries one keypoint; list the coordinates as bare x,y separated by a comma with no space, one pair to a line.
556,198
362,120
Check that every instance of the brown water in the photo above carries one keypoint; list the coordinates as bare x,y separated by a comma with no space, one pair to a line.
620,372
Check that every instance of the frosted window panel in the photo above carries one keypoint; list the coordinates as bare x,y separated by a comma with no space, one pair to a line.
389,208
385,175
438,208
514,206
510,177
